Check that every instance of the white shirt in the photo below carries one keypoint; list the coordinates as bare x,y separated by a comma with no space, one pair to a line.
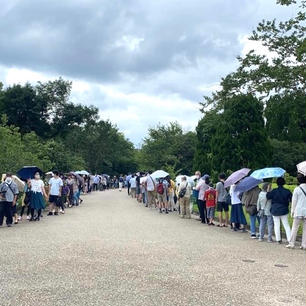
37,185
298,207
55,184
234,195
96,179
201,187
150,183
133,182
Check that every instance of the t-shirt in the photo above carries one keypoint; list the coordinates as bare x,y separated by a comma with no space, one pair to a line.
133,182
9,191
55,185
150,183
37,185
210,197
222,193
235,199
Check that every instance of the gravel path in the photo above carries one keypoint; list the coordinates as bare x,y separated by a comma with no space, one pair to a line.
113,251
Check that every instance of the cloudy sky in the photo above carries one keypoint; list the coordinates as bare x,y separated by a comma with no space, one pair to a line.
142,62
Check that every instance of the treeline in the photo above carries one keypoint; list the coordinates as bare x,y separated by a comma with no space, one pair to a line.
41,126
256,119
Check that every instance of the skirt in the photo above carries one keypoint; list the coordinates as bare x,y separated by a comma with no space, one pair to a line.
37,200
237,215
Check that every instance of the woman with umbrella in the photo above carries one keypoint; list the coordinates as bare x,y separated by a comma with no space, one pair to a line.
36,199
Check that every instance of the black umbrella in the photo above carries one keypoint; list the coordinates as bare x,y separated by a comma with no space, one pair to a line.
28,172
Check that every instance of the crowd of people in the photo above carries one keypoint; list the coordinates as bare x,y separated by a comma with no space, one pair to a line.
267,208
60,191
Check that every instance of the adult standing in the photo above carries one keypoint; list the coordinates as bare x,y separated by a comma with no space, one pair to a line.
249,199
133,186
280,198
298,211
36,199
96,181
171,186
55,191
8,198
221,199
162,195
121,181
150,185
237,215
184,193
263,208
201,187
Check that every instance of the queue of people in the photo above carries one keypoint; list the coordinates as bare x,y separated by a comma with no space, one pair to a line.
267,208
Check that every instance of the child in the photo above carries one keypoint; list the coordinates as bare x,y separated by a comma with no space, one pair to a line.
210,198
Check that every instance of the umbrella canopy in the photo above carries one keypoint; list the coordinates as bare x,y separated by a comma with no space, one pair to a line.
268,173
78,177
82,172
178,180
143,179
28,172
236,176
301,167
159,174
247,183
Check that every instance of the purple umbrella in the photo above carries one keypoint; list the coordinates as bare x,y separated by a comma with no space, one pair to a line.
247,183
236,176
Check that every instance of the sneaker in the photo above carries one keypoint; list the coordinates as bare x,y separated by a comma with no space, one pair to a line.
28,217
289,246
279,242
56,213
50,213
253,236
62,211
9,225
19,218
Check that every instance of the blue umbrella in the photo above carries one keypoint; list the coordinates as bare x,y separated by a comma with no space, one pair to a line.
268,173
28,172
247,183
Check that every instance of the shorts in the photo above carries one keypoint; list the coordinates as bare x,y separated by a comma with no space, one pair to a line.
54,199
162,198
222,206
210,212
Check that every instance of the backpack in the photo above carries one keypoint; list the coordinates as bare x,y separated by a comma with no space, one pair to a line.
160,188
182,192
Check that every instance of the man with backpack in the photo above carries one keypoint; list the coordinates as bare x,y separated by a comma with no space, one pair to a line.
150,186
8,198
162,188
184,193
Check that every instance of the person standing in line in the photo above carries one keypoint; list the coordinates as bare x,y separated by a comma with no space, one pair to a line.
195,193
298,212
70,183
249,199
210,200
55,190
237,214
37,192
201,187
171,188
133,186
8,198
26,200
221,201
184,193
121,181
263,208
162,195
150,186
280,198
96,181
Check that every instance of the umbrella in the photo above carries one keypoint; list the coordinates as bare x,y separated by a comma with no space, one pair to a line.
301,167
268,173
83,172
247,183
78,177
28,172
159,174
236,176
143,179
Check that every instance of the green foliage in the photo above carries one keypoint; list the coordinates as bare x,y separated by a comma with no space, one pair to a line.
168,147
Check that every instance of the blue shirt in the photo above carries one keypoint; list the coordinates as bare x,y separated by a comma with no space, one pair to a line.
280,198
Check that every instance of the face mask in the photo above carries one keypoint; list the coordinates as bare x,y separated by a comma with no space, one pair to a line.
8,180
37,176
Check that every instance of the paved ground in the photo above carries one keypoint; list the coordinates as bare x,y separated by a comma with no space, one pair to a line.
113,251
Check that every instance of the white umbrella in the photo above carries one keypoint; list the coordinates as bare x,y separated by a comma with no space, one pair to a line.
301,167
143,179
178,180
83,172
159,174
